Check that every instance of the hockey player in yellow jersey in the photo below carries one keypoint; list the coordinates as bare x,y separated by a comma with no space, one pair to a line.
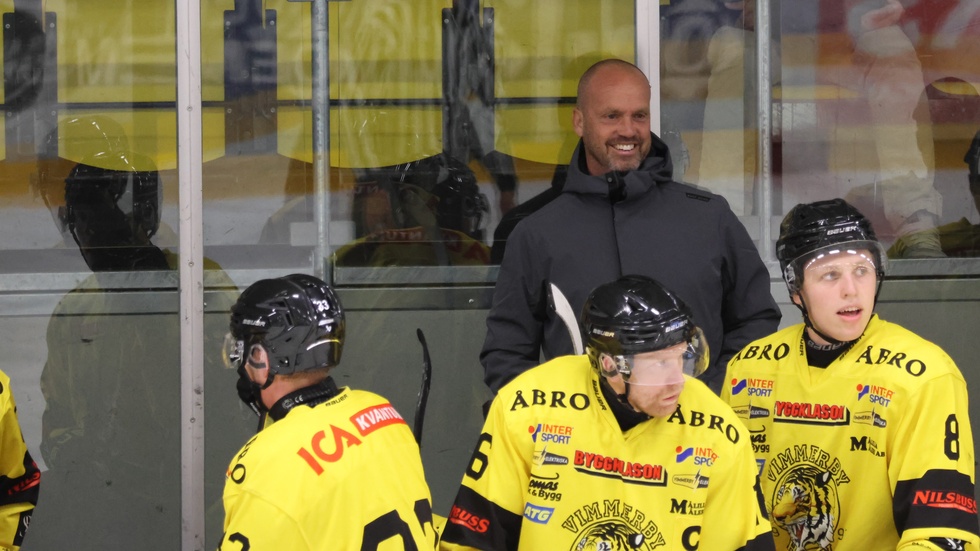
335,468
20,479
860,427
617,449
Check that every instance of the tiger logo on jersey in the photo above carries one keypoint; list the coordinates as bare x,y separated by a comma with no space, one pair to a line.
613,535
804,504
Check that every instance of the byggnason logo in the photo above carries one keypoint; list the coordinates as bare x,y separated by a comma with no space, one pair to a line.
538,514
558,434
875,394
752,387
701,456
630,472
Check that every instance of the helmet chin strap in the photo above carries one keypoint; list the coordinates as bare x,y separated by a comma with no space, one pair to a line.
809,324
249,391
624,396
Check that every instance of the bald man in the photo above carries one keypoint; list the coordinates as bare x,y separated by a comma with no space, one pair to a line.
620,213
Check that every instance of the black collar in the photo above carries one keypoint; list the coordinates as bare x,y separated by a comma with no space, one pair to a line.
311,395
626,416
822,355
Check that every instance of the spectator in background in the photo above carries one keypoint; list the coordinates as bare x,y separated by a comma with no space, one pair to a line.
960,238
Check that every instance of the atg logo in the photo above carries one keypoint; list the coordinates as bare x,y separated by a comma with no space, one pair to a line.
701,456
538,514
752,387
876,394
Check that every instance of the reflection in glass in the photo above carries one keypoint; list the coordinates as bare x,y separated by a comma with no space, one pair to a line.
111,425
874,100
424,213
872,126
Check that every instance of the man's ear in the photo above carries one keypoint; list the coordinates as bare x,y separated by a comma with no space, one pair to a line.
608,364
577,121
615,382
795,297
257,363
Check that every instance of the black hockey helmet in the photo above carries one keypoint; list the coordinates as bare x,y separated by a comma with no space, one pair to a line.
297,319
810,230
462,207
439,190
972,159
107,188
636,314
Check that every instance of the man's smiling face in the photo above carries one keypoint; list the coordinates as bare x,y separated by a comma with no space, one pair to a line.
613,119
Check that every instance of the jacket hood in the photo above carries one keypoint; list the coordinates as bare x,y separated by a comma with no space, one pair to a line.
656,168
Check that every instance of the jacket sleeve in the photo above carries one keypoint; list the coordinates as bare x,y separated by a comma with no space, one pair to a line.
487,511
748,310
736,488
932,469
19,476
515,323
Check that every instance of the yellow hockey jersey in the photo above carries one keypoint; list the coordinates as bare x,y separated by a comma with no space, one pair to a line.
19,476
554,470
344,474
873,452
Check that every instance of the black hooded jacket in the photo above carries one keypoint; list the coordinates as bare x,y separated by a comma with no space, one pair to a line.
638,222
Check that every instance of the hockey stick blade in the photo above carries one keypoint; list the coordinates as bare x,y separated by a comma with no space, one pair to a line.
424,391
564,310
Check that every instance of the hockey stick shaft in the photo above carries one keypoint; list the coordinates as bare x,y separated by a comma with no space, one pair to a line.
424,390
564,311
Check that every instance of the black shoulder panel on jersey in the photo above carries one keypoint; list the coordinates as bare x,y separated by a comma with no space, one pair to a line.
941,498
23,489
475,521
762,542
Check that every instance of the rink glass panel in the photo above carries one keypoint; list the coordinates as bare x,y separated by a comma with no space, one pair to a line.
94,340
